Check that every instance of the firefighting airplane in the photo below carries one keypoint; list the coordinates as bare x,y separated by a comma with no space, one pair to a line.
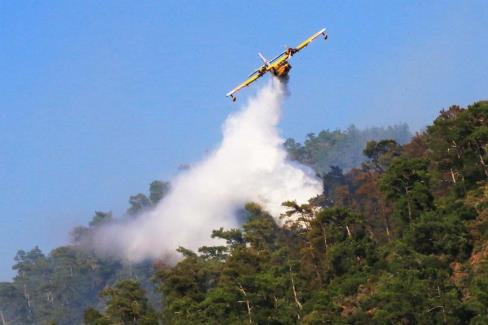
278,66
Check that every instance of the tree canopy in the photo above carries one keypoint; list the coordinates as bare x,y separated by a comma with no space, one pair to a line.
398,236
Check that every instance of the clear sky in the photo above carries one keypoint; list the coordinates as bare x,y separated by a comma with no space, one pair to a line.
99,98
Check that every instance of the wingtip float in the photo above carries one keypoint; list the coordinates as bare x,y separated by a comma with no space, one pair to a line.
279,66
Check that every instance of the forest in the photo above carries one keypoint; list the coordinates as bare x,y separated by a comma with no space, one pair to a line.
398,236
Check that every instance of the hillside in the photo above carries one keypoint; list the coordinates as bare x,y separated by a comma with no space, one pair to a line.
399,236
402,239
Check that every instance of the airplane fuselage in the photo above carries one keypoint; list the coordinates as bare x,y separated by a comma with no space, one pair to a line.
281,70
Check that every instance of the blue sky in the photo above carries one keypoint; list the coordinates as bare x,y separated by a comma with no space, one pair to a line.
99,98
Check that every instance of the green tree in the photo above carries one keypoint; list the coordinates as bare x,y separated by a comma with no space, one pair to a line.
13,305
381,154
458,141
406,183
138,203
127,304
440,234
158,190
101,218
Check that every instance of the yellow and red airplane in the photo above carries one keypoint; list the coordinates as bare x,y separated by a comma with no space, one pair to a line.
278,66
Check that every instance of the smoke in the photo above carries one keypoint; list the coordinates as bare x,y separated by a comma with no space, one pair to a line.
250,165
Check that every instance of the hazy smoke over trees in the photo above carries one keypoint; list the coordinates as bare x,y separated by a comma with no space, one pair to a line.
249,165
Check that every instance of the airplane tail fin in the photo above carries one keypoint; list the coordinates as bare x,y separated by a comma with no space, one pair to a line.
266,62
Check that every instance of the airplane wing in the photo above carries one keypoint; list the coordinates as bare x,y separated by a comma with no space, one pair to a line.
311,38
278,58
253,77
256,71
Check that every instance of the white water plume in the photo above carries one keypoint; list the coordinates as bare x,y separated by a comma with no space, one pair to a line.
250,165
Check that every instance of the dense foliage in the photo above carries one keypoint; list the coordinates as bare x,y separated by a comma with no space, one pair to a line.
401,238
60,286
343,149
